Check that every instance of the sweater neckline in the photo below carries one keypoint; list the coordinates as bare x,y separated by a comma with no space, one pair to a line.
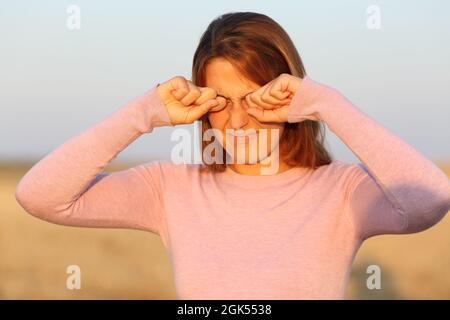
262,181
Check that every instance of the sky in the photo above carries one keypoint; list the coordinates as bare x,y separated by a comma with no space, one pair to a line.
56,82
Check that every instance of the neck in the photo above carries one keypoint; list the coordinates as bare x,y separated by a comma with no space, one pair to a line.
256,169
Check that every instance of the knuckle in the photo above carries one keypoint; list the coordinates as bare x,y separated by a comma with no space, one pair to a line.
273,92
210,92
178,78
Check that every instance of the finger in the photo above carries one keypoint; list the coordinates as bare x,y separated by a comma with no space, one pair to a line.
266,96
222,103
255,99
281,98
193,94
249,102
179,88
280,88
206,94
274,96
196,112
279,94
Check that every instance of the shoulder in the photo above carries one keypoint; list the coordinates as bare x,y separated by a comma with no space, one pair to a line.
166,169
341,172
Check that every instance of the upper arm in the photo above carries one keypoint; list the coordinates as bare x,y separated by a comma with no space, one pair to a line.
129,198
372,210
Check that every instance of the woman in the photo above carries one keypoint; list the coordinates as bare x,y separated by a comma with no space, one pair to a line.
232,231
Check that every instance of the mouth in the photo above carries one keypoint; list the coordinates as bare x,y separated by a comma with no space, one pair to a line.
241,136
241,132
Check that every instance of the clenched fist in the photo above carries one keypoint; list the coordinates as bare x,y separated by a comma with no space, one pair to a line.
185,102
271,102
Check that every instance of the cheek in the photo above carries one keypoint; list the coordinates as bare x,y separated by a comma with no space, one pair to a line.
217,119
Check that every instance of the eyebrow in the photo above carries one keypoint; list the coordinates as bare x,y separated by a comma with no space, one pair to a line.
239,97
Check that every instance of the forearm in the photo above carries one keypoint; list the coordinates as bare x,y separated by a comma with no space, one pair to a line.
414,184
56,181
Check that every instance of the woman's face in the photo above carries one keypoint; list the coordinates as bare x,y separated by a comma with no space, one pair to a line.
222,76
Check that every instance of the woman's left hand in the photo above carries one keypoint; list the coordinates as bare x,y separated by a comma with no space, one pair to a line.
270,103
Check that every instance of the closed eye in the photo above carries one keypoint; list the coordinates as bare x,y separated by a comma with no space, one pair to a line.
228,103
228,99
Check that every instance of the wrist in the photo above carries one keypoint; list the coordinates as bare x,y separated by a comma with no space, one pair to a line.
311,101
156,111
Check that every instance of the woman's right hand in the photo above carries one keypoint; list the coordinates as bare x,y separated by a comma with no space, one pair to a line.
185,102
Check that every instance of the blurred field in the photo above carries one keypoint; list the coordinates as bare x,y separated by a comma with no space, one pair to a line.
128,264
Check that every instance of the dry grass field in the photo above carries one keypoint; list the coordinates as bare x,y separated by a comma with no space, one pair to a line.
128,264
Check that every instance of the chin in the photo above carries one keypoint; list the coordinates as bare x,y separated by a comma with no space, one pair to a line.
245,154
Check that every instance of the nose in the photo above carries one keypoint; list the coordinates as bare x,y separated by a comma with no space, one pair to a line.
238,115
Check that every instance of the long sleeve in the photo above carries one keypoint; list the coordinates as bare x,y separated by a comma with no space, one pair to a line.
394,189
68,186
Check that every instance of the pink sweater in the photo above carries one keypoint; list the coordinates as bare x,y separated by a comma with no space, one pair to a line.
291,235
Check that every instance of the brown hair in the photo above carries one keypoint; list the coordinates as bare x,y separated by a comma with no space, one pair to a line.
261,50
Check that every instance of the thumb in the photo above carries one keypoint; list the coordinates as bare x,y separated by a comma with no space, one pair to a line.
281,95
258,113
264,115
